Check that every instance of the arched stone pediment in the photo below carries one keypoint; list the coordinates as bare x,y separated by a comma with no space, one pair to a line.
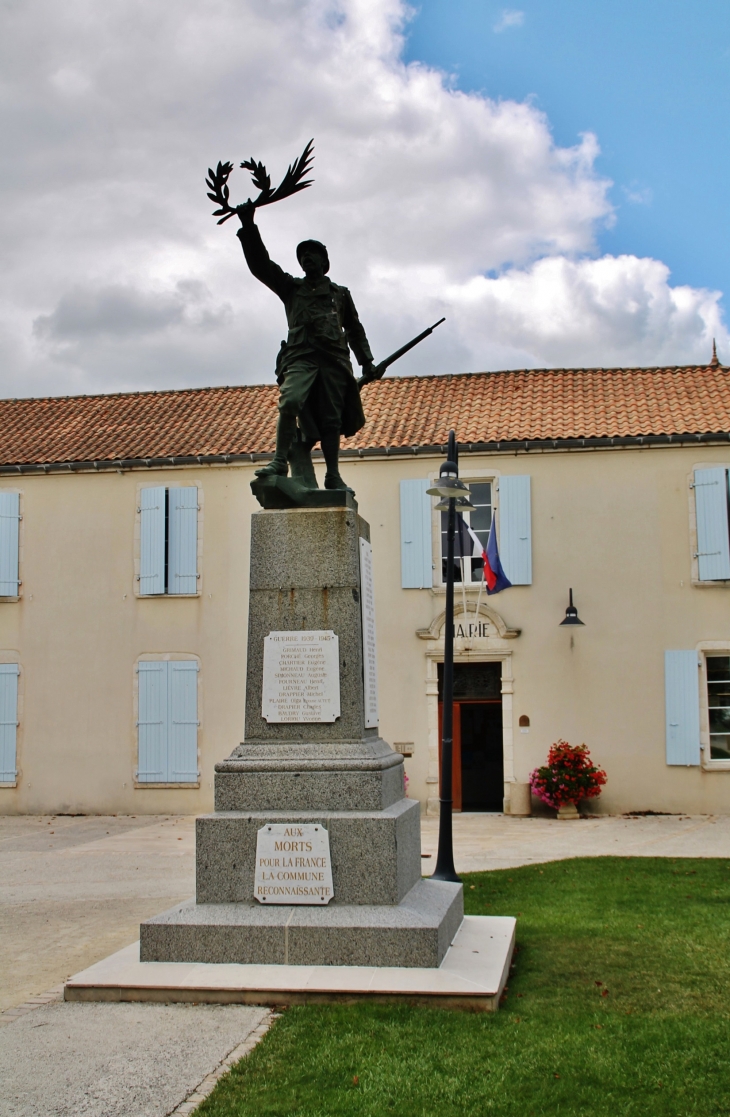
471,624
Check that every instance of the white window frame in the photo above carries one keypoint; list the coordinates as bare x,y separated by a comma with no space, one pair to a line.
709,647
166,484
693,536
472,477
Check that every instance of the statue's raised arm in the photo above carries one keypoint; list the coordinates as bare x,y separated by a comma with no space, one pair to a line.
259,262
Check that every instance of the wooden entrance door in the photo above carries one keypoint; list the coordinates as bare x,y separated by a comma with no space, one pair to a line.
477,758
478,765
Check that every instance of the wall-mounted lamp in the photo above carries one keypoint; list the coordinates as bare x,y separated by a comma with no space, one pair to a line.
571,614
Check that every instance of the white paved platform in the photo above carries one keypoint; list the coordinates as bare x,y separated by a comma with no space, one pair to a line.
472,975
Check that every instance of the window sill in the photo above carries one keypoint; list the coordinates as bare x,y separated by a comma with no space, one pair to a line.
471,587
4,784
143,786
716,765
724,583
2,599
165,596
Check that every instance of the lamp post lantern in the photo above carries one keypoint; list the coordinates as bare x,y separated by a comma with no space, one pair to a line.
453,492
571,615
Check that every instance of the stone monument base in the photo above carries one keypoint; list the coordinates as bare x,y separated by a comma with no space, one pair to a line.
472,976
303,765
416,932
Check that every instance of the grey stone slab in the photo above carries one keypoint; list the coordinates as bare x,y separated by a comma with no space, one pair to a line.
371,753
416,932
306,547
305,575
376,855
337,789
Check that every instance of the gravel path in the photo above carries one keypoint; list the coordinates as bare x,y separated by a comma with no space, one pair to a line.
118,1060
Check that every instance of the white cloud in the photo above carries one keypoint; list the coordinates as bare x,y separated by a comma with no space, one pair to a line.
638,195
509,18
116,276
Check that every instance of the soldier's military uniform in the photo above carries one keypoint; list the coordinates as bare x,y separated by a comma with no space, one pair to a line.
318,387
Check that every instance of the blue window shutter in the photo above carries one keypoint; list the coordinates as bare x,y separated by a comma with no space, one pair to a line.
713,545
152,541
9,517
682,697
152,725
416,563
515,534
182,561
183,714
8,720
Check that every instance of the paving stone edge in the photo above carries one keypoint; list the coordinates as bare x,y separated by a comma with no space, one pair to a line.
206,1087
14,1013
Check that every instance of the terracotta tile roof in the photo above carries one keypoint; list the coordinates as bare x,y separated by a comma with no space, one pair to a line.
535,404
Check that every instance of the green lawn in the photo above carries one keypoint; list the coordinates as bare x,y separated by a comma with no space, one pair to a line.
617,1004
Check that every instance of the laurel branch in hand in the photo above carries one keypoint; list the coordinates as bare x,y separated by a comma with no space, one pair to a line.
292,182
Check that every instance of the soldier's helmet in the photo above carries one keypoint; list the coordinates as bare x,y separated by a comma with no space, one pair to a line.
315,244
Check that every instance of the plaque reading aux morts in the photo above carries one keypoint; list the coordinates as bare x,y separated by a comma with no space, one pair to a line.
293,864
301,677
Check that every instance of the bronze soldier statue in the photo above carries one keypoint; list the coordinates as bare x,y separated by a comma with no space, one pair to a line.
319,399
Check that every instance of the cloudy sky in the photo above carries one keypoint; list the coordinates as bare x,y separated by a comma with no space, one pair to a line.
452,178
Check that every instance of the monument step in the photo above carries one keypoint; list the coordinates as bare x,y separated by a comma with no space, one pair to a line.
291,786
416,932
376,855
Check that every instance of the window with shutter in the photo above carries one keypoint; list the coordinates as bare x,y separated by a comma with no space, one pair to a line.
8,721
682,699
515,533
9,524
182,563
152,540
152,722
416,560
168,540
713,539
183,715
167,724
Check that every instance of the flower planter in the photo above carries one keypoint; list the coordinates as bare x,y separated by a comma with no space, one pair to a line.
568,775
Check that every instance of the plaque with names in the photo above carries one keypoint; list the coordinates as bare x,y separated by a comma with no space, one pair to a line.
301,677
369,651
293,864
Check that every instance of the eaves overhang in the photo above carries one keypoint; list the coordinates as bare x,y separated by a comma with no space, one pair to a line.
543,445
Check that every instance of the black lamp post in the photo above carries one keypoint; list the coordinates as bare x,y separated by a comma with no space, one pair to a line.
453,492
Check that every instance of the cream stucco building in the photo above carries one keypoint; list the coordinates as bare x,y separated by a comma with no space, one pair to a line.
124,551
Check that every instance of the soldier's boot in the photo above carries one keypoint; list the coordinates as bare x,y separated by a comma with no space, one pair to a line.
300,461
330,444
286,430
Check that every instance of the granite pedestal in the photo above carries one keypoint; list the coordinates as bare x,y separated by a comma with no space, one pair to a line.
306,576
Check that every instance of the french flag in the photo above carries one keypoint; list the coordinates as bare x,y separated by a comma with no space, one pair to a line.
494,575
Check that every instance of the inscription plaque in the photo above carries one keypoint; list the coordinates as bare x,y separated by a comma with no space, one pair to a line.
301,677
369,651
293,864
